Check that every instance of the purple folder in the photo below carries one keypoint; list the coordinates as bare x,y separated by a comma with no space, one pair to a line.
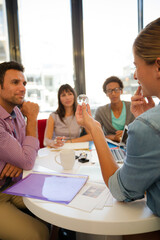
60,188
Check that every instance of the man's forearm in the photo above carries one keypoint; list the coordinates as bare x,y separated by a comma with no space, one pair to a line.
31,128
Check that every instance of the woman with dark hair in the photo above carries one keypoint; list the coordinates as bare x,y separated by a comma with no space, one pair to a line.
62,125
114,116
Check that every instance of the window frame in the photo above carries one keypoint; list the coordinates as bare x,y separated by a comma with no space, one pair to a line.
77,35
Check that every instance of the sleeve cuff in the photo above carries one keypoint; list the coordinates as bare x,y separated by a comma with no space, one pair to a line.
115,187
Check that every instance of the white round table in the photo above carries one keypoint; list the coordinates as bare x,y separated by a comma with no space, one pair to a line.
119,219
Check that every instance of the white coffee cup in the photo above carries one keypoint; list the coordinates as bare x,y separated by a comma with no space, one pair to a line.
67,158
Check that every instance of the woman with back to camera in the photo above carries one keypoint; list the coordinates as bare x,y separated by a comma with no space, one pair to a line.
140,172
114,116
62,125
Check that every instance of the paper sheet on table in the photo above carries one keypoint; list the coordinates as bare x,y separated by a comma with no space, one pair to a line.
89,197
60,188
94,172
75,146
43,152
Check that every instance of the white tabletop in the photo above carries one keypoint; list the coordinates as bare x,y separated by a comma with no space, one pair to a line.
119,219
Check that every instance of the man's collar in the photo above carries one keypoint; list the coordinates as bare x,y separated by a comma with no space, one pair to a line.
4,114
13,114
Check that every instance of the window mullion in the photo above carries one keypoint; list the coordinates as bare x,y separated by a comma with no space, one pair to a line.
13,31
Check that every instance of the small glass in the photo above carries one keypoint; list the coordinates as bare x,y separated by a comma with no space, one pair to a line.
82,98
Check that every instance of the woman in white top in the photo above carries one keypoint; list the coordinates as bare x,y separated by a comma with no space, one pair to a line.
62,125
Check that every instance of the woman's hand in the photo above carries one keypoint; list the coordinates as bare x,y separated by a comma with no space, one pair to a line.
84,117
58,142
139,104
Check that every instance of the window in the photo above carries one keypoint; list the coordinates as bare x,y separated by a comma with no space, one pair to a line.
46,48
110,28
151,10
4,49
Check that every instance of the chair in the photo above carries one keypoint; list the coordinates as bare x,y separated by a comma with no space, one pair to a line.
41,130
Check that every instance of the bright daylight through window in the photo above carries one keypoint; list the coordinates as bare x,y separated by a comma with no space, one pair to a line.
4,49
46,46
46,49
110,28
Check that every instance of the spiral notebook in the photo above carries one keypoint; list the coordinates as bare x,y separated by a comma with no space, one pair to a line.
60,188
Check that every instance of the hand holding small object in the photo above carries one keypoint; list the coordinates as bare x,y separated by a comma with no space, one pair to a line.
58,142
82,98
84,117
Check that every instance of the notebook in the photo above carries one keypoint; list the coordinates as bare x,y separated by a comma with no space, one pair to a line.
58,187
75,146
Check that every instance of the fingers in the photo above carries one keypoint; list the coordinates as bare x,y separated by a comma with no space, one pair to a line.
16,172
84,107
137,99
30,109
119,133
139,90
4,171
10,171
89,110
58,142
117,138
60,139
79,109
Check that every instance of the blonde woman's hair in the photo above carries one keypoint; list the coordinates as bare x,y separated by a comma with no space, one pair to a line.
147,43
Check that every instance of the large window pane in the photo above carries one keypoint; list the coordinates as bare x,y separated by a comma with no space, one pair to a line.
110,28
151,10
46,48
4,49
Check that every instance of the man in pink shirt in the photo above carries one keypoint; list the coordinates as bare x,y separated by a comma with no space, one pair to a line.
18,150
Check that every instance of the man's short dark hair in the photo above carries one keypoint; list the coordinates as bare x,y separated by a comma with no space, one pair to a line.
112,79
7,66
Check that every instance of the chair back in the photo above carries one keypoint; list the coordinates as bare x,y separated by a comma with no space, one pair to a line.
41,130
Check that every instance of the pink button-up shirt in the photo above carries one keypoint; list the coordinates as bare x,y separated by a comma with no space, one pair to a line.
19,150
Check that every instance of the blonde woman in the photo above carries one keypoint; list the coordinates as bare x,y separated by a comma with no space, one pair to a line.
140,172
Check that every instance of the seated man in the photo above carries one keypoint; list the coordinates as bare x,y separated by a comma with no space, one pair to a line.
114,116
18,150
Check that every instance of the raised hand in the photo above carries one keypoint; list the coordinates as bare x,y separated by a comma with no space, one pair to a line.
30,109
84,117
138,103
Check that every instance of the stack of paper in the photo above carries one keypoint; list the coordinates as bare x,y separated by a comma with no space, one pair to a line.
90,197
